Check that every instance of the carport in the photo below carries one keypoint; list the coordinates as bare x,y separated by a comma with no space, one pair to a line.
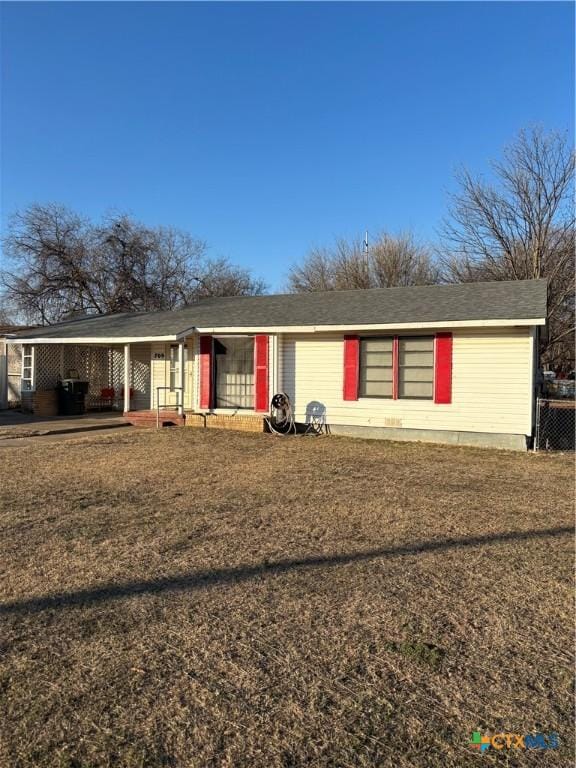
128,360
118,376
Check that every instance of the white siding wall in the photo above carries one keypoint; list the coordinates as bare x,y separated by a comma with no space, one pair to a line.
491,384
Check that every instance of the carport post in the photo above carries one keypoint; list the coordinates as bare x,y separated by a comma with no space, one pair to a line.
181,375
126,377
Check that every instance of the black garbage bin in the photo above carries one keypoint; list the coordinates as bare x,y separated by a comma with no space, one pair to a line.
72,397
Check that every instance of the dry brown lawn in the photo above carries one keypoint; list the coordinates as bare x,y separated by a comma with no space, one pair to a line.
195,598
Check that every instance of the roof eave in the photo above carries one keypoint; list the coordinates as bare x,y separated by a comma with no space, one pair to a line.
499,323
95,340
318,328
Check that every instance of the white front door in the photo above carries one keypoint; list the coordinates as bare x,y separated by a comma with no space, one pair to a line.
173,396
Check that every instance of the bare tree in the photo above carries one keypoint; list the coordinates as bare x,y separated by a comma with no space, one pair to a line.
391,261
60,265
401,261
5,318
518,227
45,246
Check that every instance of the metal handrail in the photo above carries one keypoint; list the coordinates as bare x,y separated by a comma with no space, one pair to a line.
179,403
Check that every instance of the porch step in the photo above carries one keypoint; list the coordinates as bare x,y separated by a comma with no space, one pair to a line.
149,418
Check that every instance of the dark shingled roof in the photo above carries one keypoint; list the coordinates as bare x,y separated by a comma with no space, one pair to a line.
513,300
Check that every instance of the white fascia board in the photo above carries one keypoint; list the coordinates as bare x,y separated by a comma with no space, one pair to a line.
284,329
187,332
373,326
96,340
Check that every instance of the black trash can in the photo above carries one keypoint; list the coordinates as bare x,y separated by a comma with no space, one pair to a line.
72,397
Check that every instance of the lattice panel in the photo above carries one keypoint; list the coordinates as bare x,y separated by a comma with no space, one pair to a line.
116,358
91,364
140,376
96,368
102,367
70,361
47,365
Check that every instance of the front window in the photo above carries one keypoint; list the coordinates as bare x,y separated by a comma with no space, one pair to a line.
234,372
416,367
397,367
376,367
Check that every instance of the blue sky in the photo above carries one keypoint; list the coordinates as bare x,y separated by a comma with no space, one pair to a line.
267,128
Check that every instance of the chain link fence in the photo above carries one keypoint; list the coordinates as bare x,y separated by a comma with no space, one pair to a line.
555,425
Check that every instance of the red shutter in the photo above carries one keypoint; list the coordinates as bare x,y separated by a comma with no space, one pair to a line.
205,372
443,368
261,373
351,367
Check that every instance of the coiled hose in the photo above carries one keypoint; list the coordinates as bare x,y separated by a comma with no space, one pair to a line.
282,420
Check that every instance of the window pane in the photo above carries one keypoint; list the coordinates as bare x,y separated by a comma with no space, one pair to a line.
416,374
377,358
416,344
415,389
376,367
416,366
234,372
377,389
416,358
377,345
378,374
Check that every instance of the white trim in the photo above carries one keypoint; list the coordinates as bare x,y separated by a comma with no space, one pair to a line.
181,375
532,362
33,354
126,377
246,330
96,341
32,366
373,326
273,367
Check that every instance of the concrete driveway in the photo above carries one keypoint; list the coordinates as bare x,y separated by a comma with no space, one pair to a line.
16,426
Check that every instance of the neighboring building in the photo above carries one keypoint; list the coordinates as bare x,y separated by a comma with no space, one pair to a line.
442,363
10,366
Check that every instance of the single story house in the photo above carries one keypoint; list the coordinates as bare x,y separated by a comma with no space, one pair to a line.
441,363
